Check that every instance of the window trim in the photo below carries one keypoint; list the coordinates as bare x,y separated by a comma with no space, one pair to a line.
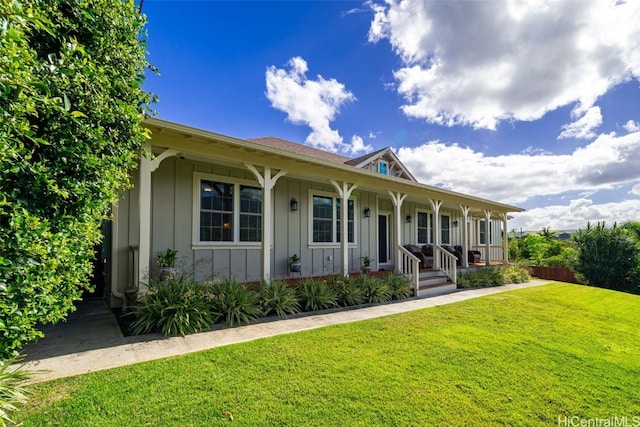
333,244
429,226
196,243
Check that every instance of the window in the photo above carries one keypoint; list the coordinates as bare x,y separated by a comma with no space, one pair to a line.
228,212
326,221
445,231
383,167
425,227
482,230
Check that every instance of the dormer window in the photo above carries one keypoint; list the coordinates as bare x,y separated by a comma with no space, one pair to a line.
383,167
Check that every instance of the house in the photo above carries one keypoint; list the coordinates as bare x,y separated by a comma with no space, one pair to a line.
240,208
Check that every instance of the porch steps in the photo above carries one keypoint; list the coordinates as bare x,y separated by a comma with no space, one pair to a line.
434,282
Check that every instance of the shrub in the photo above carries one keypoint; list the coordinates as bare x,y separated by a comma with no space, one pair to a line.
399,287
233,301
72,103
493,276
173,307
12,392
374,290
316,295
347,291
276,298
608,257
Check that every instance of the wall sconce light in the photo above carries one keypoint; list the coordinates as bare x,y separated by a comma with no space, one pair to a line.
294,205
455,223
409,219
367,212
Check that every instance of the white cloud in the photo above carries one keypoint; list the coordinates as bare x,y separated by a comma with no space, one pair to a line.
358,146
583,128
576,215
635,190
631,126
605,163
477,63
314,103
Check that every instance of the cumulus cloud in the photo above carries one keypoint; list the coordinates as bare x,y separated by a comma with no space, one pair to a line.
608,161
478,63
631,126
314,103
358,146
584,127
635,190
576,214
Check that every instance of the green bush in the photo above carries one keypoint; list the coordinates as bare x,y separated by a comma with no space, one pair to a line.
374,290
399,287
234,302
348,293
72,104
277,298
609,257
316,295
173,307
493,276
12,393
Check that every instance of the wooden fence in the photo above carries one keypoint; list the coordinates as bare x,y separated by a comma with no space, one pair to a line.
561,274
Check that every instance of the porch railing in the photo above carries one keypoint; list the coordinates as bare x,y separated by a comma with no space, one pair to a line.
410,267
447,262
496,252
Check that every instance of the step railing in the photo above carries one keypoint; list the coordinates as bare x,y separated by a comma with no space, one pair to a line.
409,266
446,262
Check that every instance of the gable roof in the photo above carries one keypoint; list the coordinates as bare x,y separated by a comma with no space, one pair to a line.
294,147
389,155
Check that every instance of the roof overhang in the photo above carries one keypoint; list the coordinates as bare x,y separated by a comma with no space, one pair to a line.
198,144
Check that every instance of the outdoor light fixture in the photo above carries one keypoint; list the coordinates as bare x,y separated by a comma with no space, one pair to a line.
367,212
455,223
294,205
409,218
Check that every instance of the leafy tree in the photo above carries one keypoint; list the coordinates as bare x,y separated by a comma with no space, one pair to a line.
608,257
71,104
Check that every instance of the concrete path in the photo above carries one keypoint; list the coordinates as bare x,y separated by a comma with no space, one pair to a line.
91,340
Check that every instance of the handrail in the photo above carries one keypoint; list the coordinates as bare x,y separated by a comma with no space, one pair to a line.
409,266
447,262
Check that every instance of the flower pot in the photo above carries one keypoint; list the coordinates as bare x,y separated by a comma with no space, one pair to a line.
295,267
167,273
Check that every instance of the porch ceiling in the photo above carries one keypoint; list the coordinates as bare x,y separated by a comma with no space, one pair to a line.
200,145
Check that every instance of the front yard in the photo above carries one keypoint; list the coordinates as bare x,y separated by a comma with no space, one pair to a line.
523,357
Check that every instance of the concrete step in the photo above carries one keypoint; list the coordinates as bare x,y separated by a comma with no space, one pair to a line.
436,289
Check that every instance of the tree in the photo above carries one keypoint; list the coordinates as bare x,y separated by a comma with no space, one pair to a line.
71,103
608,257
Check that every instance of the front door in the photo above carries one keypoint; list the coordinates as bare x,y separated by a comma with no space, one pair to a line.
384,241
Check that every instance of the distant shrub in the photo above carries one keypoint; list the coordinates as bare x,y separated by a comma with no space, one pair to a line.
233,301
277,298
316,295
173,307
347,291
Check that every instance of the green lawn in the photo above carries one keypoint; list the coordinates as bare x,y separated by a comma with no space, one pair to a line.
520,358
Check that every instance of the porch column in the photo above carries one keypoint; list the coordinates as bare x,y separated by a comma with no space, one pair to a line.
344,190
267,182
505,239
397,199
437,232
465,237
148,165
487,235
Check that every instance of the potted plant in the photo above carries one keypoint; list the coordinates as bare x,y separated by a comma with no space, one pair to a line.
366,263
166,263
294,263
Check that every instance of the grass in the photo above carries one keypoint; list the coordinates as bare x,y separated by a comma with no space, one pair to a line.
520,358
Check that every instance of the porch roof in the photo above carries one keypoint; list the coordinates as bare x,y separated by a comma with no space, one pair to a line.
302,162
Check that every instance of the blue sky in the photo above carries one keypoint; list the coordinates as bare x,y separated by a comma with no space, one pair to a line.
533,103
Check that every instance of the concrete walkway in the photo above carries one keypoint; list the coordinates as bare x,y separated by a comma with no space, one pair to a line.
91,340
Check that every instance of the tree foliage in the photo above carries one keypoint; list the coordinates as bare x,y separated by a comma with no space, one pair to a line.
71,103
609,257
